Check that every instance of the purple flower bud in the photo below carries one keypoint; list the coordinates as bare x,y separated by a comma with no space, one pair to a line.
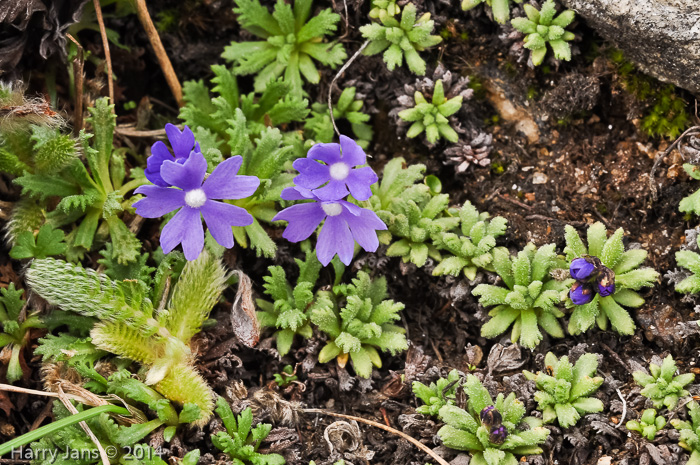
606,282
490,416
582,268
498,435
581,293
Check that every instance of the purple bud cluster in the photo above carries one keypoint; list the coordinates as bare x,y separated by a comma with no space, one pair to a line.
591,277
491,419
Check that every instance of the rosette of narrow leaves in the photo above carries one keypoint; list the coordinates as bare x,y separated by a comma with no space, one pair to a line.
464,430
432,117
397,177
400,39
648,425
290,309
16,329
690,432
93,199
691,203
241,440
691,261
500,8
129,325
438,394
564,395
359,324
472,246
529,299
542,28
662,387
628,279
320,127
290,43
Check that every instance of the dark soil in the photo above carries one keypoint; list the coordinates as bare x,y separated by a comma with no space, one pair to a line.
576,168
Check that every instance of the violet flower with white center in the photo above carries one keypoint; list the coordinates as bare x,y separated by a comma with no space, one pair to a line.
345,224
194,197
339,175
183,144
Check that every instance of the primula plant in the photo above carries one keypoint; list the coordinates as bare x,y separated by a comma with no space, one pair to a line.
431,117
542,28
359,324
492,432
440,393
648,424
320,127
500,8
289,311
329,174
241,440
690,432
691,261
529,298
564,390
606,278
158,338
472,246
290,43
16,328
400,39
662,387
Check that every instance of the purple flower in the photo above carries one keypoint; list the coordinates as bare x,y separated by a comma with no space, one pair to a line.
183,144
606,282
194,198
490,416
498,435
338,173
582,268
581,293
346,223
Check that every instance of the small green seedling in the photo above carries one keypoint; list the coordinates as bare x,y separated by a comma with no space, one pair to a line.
543,28
690,440
662,387
438,394
432,117
648,425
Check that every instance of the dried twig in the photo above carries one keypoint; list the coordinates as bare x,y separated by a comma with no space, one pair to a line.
132,132
624,408
105,45
21,390
341,71
366,421
695,130
71,408
78,64
154,38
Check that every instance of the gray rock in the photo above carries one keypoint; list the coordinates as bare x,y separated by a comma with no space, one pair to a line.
661,36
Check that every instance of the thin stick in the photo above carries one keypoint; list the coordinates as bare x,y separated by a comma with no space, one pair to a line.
154,38
21,390
71,408
341,71
624,408
78,64
405,436
652,187
105,45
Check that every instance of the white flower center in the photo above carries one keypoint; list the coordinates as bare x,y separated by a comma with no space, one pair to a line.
332,209
339,171
195,198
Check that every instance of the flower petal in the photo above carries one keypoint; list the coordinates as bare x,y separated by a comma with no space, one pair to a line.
364,229
329,153
187,176
186,228
220,216
311,173
158,201
359,181
335,237
182,142
353,154
332,192
297,193
303,220
224,183
351,207
159,154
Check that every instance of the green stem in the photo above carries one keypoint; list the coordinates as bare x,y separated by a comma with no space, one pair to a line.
59,425
131,185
